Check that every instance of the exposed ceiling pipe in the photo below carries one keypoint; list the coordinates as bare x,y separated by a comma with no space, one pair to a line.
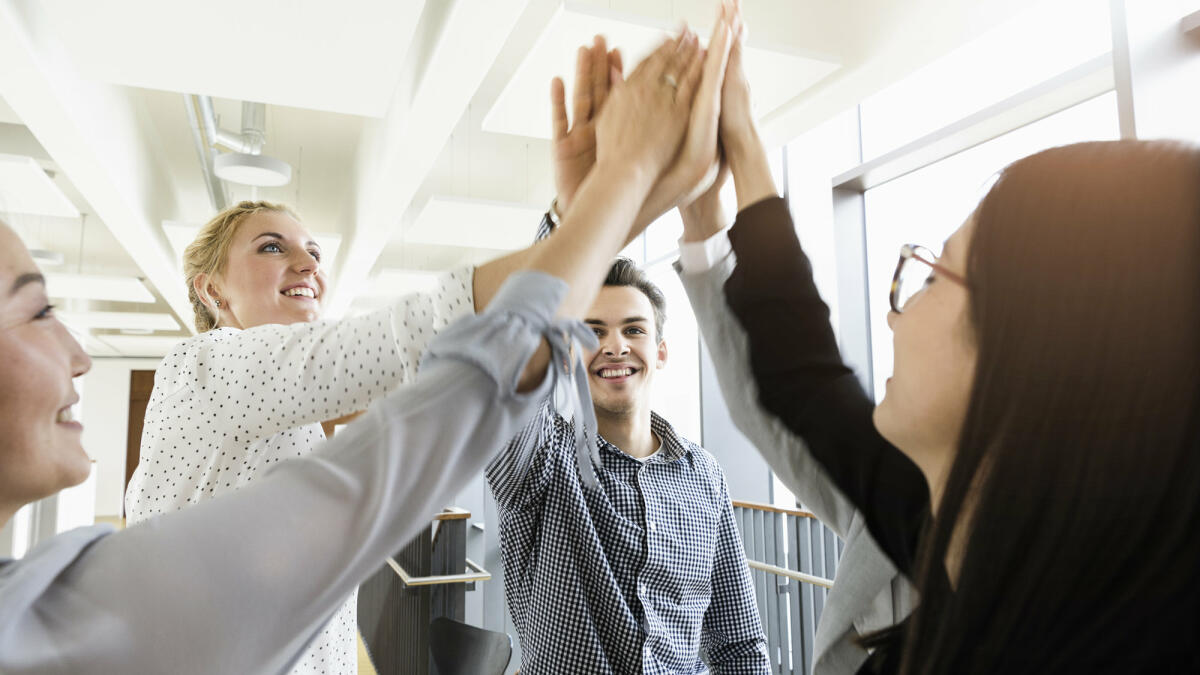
250,141
244,163
204,141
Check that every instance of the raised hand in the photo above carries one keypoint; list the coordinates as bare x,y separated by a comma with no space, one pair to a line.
645,117
574,146
739,136
697,163
737,117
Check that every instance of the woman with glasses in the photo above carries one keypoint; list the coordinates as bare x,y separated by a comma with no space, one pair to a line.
1034,466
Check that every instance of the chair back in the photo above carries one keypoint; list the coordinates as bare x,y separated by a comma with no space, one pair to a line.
462,649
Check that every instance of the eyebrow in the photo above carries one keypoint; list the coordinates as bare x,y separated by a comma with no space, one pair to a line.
627,321
25,280
280,237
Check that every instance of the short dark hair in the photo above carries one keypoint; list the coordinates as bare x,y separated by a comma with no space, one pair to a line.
625,272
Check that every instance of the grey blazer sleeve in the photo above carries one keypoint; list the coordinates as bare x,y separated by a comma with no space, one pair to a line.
240,584
868,592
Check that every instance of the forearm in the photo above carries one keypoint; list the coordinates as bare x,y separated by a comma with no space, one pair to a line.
752,177
802,380
786,452
593,231
241,583
702,218
490,276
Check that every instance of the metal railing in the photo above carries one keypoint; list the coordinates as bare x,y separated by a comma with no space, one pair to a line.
423,581
792,559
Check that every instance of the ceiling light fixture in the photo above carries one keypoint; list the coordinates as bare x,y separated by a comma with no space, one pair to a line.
47,257
256,170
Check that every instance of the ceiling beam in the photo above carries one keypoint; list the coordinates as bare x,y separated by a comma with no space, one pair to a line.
97,136
396,153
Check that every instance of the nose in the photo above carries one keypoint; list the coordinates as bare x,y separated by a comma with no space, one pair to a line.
615,345
80,362
304,262
891,319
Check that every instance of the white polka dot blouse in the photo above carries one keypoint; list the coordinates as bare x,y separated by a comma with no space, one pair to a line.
228,404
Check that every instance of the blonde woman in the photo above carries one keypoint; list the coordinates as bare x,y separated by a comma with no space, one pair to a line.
252,388
244,583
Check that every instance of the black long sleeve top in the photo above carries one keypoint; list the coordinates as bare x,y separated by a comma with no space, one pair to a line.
802,379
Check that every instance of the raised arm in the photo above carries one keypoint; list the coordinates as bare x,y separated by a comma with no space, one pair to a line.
241,583
309,372
799,372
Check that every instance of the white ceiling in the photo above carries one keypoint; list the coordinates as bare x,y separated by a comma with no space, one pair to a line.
416,129
777,73
343,57
26,189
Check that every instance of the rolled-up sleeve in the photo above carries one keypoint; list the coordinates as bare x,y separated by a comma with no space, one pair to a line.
240,584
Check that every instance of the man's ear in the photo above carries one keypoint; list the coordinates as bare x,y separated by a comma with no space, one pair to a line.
662,355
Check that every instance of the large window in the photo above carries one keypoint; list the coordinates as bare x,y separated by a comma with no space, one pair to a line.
1035,45
926,206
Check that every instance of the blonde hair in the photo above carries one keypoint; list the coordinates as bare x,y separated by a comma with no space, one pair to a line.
209,252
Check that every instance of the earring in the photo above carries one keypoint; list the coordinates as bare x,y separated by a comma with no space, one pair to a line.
218,304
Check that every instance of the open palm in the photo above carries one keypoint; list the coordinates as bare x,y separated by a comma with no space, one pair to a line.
574,145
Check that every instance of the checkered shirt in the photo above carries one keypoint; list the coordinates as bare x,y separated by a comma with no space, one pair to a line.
644,573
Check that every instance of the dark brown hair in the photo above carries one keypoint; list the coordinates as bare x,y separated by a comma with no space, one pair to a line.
1078,467
625,272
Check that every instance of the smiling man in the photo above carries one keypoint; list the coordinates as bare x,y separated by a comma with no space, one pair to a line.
645,572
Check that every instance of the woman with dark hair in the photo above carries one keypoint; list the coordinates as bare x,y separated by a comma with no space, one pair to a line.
1035,464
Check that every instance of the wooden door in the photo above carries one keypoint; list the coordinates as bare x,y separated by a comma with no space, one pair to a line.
141,383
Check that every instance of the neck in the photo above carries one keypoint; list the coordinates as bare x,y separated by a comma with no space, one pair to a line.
934,468
630,432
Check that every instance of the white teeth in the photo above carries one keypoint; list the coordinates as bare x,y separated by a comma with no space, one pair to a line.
301,290
616,372
66,415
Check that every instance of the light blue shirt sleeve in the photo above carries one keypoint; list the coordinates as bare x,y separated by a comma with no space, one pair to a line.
242,583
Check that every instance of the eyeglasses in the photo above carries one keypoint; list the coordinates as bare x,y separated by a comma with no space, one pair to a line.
911,279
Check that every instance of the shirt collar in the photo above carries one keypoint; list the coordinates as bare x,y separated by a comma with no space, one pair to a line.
673,447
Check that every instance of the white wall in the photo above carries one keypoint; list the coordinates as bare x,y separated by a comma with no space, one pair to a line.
1165,69
105,407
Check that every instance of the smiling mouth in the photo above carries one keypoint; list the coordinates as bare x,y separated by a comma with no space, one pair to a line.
615,373
66,416
300,292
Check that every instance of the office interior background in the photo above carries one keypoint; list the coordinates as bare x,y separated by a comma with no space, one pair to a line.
413,137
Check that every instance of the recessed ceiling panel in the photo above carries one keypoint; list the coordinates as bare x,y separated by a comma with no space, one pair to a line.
475,223
94,287
7,114
341,57
140,345
25,188
777,74
134,321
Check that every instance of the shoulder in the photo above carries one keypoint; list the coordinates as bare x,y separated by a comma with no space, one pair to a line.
699,458
704,461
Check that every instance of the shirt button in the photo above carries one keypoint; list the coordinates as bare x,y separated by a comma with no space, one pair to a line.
653,527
